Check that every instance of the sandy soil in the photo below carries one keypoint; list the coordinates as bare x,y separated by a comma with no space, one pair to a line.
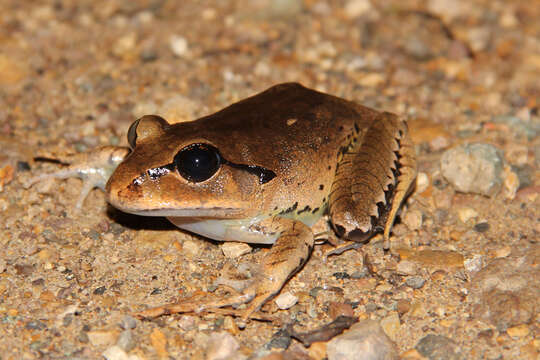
75,74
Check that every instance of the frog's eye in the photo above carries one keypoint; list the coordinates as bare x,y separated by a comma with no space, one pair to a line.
146,127
197,162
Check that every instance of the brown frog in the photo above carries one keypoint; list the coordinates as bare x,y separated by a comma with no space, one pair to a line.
263,170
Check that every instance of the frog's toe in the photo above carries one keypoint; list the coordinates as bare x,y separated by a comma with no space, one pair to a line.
195,305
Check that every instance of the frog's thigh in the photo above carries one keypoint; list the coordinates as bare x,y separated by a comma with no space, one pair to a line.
370,185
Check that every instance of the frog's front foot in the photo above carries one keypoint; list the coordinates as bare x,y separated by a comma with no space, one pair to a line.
94,168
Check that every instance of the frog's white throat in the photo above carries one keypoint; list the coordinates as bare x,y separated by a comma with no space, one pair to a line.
226,229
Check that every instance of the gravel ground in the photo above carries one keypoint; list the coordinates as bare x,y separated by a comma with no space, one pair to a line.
462,280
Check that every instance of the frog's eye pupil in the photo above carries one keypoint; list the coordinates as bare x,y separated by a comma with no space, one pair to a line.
197,162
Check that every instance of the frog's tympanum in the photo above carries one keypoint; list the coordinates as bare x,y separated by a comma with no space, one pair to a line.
261,171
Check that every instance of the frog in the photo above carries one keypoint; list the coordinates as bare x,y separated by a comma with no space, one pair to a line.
263,170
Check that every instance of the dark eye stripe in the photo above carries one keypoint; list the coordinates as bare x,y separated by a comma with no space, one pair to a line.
264,175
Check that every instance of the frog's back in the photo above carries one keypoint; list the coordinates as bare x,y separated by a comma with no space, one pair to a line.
284,126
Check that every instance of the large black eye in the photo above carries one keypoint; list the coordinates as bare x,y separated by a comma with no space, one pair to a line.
197,162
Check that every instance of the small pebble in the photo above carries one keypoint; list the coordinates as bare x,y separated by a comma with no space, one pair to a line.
100,290
473,168
23,269
365,340
501,252
156,291
413,219
148,55
102,337
474,264
187,322
178,45
233,250
314,292
356,8
406,267
67,320
438,347
83,337
222,346
518,331
35,325
286,300
390,325
466,213
371,307
403,306
115,353
126,341
124,44
341,275
511,183
23,166
282,8
415,282
360,274
481,227
191,248
128,322
3,265
422,182
280,340
336,309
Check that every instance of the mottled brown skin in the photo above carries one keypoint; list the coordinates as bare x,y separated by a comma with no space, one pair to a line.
254,131
329,155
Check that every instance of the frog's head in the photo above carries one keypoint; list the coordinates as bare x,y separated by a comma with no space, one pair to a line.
179,171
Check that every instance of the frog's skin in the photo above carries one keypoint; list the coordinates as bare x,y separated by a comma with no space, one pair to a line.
287,156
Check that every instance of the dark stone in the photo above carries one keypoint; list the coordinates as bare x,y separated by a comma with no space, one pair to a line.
438,347
280,340
23,166
156,291
341,275
100,290
481,227
148,55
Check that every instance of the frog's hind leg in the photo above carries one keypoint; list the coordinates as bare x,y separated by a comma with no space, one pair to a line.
284,259
372,179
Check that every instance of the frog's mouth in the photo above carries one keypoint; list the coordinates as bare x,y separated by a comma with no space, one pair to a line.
212,213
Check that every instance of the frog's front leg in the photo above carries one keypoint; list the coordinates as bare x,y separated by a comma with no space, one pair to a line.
285,258
94,168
